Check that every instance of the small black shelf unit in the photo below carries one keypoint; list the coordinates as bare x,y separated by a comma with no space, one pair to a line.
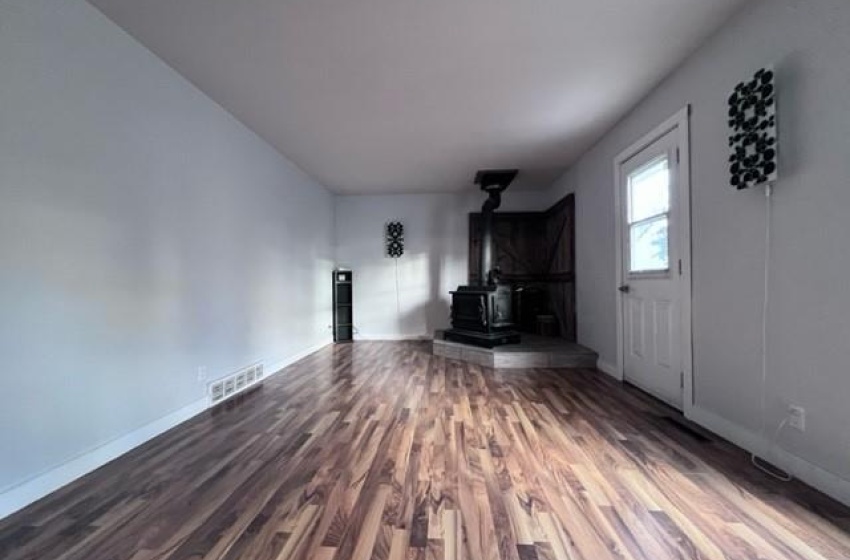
343,293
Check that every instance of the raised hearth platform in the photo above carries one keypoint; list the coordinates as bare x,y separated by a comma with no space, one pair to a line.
534,351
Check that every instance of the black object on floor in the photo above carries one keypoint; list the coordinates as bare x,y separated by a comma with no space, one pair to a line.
679,425
343,306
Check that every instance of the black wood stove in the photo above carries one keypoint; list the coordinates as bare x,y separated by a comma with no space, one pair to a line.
481,315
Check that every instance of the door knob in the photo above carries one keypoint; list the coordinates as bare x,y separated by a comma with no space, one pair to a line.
624,288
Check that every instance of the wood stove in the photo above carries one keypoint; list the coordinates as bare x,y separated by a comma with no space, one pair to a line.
482,315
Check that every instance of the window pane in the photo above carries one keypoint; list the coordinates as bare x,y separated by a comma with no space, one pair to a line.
649,248
649,191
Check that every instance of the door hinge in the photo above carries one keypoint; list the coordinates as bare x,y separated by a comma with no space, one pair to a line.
680,267
682,380
678,156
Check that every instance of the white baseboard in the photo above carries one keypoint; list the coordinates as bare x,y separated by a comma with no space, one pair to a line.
27,492
392,337
605,367
813,475
21,495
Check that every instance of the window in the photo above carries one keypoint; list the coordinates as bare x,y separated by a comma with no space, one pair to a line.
649,216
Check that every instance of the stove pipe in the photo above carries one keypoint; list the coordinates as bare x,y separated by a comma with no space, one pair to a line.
485,263
493,182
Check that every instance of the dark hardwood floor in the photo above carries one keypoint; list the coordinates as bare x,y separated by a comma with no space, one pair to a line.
380,450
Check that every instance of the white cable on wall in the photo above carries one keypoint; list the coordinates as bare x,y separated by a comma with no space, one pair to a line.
394,249
397,298
768,194
765,302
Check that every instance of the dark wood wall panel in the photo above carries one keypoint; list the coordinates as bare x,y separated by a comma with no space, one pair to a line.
536,254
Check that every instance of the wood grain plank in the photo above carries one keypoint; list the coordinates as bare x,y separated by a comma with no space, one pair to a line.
379,450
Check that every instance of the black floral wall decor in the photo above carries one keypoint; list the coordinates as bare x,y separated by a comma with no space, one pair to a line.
753,134
395,239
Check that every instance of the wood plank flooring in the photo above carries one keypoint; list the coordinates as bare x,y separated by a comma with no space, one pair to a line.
380,450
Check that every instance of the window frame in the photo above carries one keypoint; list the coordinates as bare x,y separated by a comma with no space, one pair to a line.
652,272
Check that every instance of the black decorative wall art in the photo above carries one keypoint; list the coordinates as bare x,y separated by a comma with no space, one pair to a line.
395,239
753,138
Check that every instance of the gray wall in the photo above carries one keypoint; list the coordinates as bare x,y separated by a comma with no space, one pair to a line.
144,232
435,259
809,315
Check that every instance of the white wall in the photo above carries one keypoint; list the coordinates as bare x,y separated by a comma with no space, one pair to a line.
144,232
809,317
435,260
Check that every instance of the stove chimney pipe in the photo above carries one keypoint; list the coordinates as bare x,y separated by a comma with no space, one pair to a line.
493,182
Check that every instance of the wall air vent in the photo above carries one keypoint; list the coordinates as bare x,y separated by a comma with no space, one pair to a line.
227,387
216,391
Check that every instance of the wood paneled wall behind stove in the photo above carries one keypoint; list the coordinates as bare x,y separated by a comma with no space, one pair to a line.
536,253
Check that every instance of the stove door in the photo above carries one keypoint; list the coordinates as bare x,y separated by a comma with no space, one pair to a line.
502,308
469,312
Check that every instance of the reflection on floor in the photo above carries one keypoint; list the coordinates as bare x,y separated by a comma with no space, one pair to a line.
382,450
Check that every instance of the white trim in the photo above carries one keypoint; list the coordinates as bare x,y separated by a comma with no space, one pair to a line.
35,488
813,475
392,337
681,124
24,493
607,368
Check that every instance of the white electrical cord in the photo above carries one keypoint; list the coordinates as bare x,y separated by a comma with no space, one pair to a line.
783,476
765,301
397,299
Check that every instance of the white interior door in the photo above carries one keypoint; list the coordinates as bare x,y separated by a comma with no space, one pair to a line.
651,270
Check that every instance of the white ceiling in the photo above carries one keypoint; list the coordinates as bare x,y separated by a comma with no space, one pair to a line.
378,96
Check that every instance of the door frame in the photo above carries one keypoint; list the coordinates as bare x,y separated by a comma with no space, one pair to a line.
680,123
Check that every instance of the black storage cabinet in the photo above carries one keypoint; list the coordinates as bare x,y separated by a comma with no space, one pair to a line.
343,294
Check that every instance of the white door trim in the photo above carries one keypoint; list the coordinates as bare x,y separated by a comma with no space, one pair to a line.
679,123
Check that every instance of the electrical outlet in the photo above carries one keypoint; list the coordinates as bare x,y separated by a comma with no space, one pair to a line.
797,417
202,373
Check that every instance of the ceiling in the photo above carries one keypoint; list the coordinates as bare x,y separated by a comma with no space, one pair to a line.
394,96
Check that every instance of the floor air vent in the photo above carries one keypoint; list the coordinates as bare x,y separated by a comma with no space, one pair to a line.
222,389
